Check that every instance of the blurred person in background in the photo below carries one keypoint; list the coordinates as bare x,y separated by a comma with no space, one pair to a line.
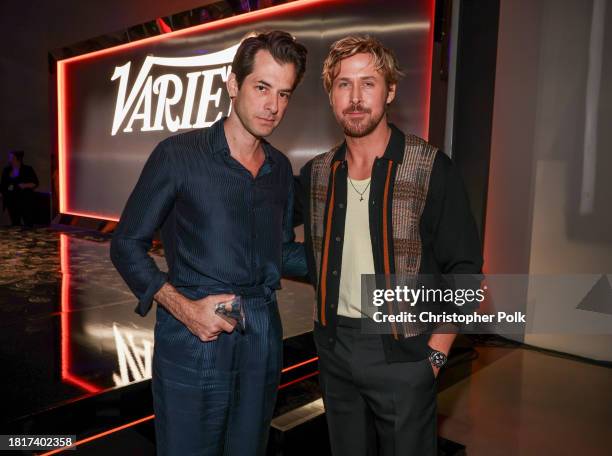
17,188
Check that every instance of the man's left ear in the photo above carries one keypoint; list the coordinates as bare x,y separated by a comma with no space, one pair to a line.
391,93
232,85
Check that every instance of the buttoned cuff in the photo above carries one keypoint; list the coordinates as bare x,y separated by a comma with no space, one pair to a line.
146,300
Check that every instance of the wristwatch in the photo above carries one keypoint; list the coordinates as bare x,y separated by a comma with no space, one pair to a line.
437,358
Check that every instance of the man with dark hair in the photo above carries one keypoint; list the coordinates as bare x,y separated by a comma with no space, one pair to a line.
222,197
385,203
278,44
17,188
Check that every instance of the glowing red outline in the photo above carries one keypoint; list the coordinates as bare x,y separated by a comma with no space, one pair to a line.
62,107
148,418
304,377
66,355
303,363
432,18
245,17
100,435
61,137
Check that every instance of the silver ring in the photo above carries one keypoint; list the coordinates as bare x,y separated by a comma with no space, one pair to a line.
220,307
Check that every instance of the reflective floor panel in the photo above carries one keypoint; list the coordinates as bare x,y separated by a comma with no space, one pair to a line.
67,323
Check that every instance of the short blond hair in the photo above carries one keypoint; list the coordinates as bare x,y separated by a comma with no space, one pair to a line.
384,58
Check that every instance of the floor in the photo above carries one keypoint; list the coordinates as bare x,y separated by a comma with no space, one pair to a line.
524,402
67,323
68,331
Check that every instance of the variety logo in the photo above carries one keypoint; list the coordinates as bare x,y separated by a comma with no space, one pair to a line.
173,93
134,361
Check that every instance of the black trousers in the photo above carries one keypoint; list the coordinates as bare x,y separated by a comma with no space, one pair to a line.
372,407
20,205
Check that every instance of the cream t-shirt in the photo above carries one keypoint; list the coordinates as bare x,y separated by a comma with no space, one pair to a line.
356,250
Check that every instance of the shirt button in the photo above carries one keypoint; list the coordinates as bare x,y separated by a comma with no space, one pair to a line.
331,339
341,205
338,238
333,306
334,272
373,203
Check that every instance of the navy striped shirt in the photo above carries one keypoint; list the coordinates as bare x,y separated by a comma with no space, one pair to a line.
222,229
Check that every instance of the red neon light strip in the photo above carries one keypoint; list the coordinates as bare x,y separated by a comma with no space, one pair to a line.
61,82
285,385
69,378
61,137
62,95
432,18
150,417
100,435
303,363
66,355
65,303
234,20
109,218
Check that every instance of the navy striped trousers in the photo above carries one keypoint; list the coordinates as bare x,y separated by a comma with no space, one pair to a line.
217,398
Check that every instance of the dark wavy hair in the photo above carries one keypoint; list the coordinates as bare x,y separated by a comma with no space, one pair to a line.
281,45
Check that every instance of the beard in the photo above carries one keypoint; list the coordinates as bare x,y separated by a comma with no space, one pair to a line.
358,128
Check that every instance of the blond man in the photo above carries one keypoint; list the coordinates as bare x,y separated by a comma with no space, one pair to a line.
382,202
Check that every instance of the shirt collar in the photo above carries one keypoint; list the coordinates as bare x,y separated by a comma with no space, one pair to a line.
393,152
216,137
218,141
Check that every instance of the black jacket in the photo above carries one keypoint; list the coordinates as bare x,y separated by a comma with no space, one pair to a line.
449,238
9,185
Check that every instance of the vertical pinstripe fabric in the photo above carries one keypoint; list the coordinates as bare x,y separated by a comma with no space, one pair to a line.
221,228
216,398
223,231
